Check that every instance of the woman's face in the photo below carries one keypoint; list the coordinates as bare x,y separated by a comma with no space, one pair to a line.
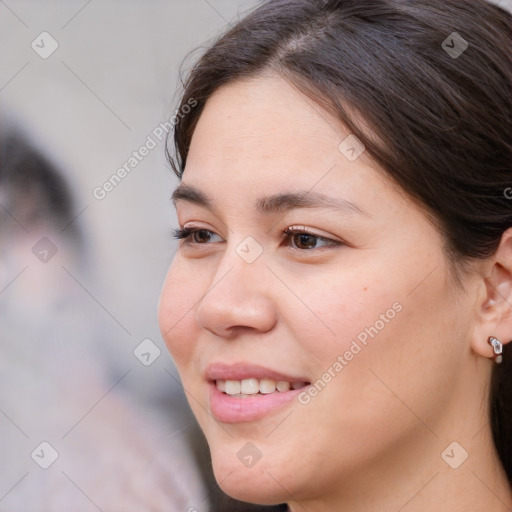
361,309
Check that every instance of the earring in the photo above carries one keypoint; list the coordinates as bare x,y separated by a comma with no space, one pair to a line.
498,348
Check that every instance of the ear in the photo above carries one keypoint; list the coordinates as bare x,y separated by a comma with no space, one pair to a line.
495,305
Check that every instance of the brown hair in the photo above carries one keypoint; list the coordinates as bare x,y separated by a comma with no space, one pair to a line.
432,80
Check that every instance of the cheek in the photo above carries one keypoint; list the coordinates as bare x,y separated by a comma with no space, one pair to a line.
176,310
388,330
398,351
331,311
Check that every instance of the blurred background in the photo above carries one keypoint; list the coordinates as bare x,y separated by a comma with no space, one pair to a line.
92,414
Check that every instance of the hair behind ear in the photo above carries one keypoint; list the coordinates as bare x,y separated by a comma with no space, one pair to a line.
500,408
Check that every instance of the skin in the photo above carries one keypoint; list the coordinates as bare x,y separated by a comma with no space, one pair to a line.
372,439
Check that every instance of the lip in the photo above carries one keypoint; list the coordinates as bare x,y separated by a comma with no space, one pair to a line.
229,409
241,370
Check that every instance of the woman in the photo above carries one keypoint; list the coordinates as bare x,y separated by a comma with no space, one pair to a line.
340,304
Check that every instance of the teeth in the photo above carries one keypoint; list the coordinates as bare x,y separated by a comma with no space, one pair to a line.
232,387
267,386
282,386
249,386
252,386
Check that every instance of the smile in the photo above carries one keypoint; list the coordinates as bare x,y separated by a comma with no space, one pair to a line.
252,386
242,392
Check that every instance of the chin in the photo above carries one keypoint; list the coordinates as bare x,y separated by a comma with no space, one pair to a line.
250,484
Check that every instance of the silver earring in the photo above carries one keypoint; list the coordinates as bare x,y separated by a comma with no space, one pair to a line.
498,348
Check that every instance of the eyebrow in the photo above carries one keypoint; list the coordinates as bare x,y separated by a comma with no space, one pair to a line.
277,203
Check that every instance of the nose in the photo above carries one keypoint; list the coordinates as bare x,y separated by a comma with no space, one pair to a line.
238,299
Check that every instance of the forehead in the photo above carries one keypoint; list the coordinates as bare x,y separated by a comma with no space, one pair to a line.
264,128
264,118
261,136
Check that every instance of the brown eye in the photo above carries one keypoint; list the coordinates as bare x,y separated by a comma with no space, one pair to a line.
304,241
201,236
194,235
301,239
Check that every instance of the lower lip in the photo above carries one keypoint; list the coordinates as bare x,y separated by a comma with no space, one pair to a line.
229,409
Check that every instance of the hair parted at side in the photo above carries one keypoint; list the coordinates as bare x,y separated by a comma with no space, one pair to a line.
441,125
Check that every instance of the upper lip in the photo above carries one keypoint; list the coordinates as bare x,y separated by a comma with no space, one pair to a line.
241,370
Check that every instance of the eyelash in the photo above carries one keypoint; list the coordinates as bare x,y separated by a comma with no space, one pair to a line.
186,233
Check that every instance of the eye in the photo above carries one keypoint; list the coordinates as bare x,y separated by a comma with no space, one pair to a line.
305,240
302,238
197,235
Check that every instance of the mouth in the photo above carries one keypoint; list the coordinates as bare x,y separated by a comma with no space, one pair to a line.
241,392
252,386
